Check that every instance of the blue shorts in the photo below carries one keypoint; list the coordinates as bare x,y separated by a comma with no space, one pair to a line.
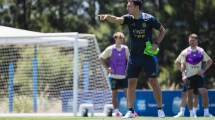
136,63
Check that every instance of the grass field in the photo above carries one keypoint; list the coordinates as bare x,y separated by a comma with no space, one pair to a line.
105,118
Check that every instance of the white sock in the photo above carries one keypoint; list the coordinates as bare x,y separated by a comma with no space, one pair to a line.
182,109
206,111
194,110
116,110
191,113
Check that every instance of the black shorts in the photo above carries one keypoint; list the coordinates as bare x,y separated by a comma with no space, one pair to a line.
195,90
195,82
118,83
136,63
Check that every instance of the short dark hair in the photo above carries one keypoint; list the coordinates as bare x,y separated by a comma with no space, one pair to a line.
137,3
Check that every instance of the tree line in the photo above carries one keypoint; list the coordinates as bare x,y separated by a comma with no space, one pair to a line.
179,17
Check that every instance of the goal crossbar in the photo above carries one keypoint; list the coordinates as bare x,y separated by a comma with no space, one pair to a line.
59,39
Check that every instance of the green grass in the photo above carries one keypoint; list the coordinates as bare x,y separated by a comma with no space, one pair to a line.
105,118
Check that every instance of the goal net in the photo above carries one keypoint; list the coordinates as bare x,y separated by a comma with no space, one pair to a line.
51,73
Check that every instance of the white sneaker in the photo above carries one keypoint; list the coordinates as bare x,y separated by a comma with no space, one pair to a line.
180,114
208,115
193,115
161,113
118,114
129,114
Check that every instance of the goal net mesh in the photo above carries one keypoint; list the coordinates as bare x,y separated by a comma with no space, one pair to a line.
38,78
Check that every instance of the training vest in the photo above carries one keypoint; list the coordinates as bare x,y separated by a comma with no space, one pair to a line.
118,60
194,57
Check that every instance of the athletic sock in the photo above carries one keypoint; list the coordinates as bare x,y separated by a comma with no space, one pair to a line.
206,111
131,109
182,109
191,113
116,110
194,110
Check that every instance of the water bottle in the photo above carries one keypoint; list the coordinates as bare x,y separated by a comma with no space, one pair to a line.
123,107
176,105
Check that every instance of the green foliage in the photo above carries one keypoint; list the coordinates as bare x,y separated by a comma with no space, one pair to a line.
22,104
52,69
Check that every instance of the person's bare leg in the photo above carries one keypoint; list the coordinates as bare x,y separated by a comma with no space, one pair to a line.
125,91
195,103
157,95
156,91
204,94
132,83
205,101
183,99
190,101
114,99
183,104
131,96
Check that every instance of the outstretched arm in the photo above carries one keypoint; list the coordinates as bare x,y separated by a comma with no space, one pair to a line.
111,18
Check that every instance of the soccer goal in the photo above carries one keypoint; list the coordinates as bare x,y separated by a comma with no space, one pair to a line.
51,73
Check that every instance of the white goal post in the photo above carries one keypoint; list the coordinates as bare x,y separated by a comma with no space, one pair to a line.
51,73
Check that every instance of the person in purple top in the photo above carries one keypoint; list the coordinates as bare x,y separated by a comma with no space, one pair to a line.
184,94
194,63
118,57
143,51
